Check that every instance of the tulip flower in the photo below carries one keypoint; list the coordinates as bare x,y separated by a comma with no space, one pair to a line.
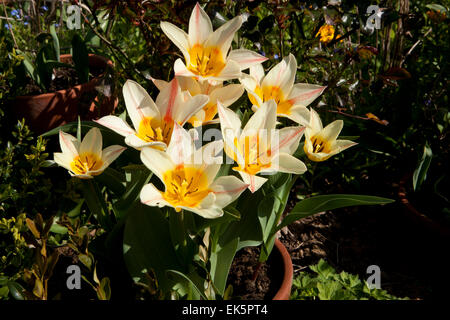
206,51
153,122
278,84
189,177
321,143
86,159
227,95
259,148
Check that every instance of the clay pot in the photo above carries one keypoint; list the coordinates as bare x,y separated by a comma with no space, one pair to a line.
287,269
418,217
49,110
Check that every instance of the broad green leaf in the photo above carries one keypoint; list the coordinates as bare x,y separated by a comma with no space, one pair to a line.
146,246
221,260
80,58
195,284
420,174
318,204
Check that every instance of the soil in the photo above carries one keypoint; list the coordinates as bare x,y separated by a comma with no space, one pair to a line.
410,257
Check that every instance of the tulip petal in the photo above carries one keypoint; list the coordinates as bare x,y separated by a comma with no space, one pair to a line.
227,95
282,75
200,26
168,99
341,145
184,111
157,161
263,119
331,131
69,144
246,58
288,140
92,142
134,141
289,164
253,182
223,36
257,71
110,154
227,189
177,36
181,145
304,93
116,124
228,119
231,71
139,103
63,159
152,197
315,124
181,70
298,114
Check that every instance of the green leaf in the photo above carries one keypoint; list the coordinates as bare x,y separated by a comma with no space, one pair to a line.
147,246
136,178
420,174
16,290
104,290
195,284
56,228
437,7
221,260
80,58
318,204
55,41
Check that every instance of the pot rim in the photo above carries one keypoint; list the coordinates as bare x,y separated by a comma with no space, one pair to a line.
288,272
80,86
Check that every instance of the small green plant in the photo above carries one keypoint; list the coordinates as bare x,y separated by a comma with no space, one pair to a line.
41,69
326,284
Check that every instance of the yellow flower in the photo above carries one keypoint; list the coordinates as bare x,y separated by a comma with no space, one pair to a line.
153,122
326,33
227,95
259,148
86,159
206,51
189,177
278,85
320,143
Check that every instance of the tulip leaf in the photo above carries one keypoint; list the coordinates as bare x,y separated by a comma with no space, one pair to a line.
80,58
221,259
322,203
190,280
145,246
420,174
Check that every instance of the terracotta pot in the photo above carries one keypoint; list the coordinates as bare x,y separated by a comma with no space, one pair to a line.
288,271
49,110
418,217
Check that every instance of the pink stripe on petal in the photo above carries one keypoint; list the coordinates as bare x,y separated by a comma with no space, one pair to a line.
173,94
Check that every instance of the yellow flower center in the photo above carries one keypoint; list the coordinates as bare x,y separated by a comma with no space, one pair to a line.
320,145
151,130
210,112
273,92
205,62
185,186
85,163
255,158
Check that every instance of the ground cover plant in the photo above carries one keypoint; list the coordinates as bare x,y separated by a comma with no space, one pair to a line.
234,120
